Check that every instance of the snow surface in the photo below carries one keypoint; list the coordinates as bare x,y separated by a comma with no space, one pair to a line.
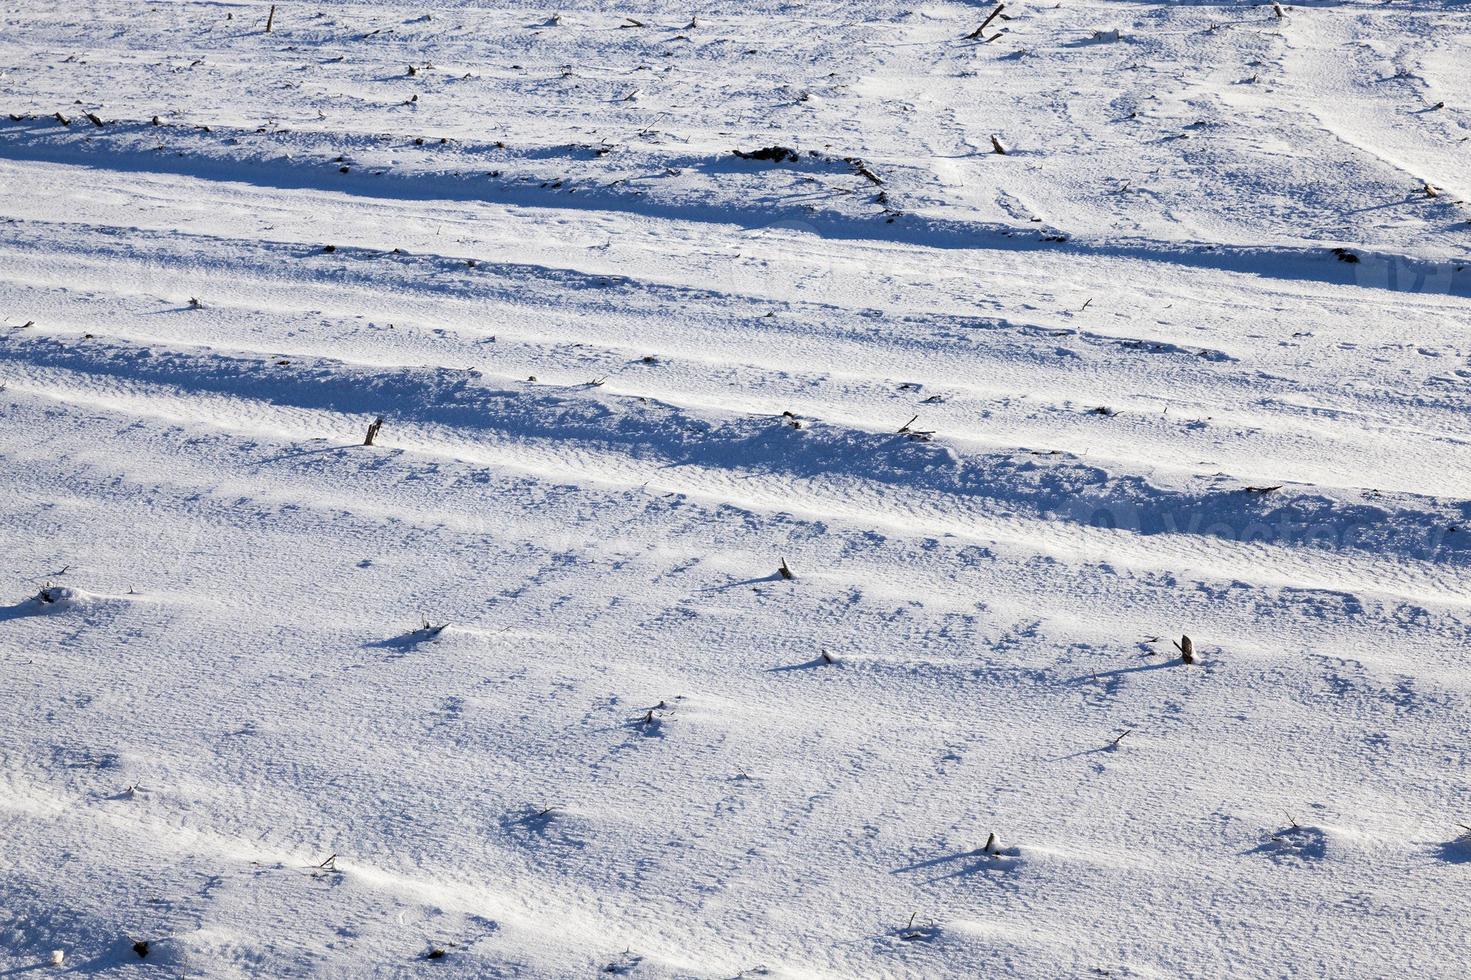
527,666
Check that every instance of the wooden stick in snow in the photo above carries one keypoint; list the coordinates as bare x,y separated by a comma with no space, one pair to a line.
981,30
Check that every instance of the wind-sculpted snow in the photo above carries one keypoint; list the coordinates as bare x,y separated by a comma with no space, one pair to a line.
716,188
655,436
760,490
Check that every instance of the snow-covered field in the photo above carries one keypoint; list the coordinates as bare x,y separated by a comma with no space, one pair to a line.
527,666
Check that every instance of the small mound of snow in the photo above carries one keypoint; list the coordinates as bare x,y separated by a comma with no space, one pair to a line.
55,597
1295,843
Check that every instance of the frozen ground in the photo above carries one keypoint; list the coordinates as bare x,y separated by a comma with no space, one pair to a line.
583,318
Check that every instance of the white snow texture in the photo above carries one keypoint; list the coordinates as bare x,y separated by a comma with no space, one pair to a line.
749,536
